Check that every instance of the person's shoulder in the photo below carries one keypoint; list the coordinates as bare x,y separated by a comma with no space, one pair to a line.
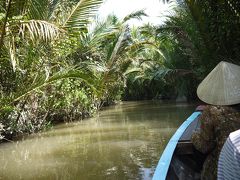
235,136
235,140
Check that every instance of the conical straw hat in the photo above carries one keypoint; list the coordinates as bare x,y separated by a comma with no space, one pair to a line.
221,86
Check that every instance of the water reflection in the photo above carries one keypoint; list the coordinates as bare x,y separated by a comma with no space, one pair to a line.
122,142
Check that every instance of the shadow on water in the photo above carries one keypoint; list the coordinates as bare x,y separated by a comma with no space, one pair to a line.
122,142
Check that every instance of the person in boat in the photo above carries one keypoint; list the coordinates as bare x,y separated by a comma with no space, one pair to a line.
229,159
216,124
220,89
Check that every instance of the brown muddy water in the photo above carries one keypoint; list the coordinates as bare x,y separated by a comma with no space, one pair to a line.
124,141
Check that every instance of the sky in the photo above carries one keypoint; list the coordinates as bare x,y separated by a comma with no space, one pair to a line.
154,8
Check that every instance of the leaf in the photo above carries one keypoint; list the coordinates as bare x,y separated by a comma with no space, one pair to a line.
88,78
132,70
12,53
79,17
118,45
39,29
135,15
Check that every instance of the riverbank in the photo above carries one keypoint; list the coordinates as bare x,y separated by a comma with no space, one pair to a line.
29,121
17,125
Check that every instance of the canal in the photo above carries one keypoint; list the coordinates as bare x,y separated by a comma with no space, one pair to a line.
123,141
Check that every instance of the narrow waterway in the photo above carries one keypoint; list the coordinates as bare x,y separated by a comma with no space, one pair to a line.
123,141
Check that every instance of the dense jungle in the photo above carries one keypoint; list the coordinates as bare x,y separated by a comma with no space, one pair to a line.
59,62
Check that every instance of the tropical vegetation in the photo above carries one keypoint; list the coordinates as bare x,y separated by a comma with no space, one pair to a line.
57,65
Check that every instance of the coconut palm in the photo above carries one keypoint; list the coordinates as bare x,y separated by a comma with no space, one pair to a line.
218,23
32,36
106,51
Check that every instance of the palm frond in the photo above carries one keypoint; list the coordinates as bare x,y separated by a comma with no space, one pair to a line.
53,4
79,17
39,29
118,45
12,54
135,15
103,34
41,81
133,70
38,9
161,73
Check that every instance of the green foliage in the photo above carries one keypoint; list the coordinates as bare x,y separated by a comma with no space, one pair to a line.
189,45
55,67
78,19
135,15
218,24
35,67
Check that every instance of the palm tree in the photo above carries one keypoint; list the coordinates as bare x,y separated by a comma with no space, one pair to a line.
106,51
32,35
218,23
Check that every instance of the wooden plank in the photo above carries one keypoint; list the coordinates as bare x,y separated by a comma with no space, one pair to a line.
184,148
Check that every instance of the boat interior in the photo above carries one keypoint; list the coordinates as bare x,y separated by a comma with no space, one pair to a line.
187,162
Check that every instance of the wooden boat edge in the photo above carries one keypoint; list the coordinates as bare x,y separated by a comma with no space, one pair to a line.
165,160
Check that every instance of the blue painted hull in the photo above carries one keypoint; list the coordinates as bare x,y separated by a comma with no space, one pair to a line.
165,160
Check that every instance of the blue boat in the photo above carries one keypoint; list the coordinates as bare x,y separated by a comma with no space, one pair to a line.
180,160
